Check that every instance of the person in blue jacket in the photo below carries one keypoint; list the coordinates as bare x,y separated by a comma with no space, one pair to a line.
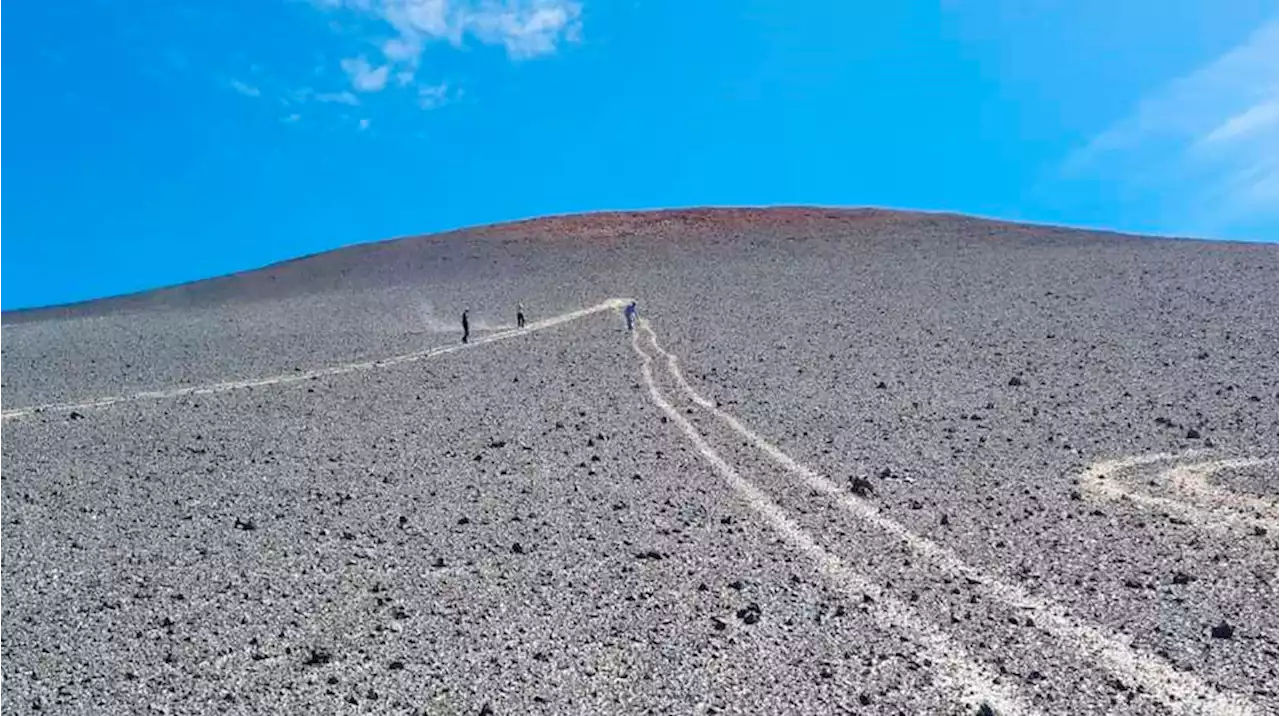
631,315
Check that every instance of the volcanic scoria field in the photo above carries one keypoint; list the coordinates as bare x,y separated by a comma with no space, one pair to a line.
848,461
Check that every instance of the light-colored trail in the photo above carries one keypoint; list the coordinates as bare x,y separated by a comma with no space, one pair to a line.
1202,503
964,678
1179,691
301,376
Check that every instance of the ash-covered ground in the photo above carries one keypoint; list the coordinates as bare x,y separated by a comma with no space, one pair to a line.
900,463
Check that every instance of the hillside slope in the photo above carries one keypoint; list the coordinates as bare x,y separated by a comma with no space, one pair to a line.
891,462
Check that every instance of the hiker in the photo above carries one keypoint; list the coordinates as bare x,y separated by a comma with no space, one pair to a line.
631,315
519,315
466,327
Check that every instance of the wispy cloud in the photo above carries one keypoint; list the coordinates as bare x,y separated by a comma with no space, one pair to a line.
524,28
337,98
1204,146
364,124
245,89
364,76
433,96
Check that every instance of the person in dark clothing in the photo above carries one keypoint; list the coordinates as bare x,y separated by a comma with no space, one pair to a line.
466,327
519,315
631,315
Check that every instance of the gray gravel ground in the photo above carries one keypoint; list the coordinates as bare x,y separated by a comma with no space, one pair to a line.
518,528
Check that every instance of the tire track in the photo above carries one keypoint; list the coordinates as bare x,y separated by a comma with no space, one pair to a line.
1177,690
965,678
1226,510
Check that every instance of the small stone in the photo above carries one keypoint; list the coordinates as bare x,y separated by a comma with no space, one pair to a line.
1222,631
861,487
464,520
438,563
1193,434
1259,531
749,614
719,624
318,656
864,699
984,709
650,554
1182,578
881,385
246,524
517,548
486,710
74,416
396,665
1015,381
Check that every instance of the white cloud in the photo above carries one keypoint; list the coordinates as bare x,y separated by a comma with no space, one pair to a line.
402,30
1204,147
245,89
291,118
402,49
525,28
364,124
434,96
1254,119
337,98
364,76
527,31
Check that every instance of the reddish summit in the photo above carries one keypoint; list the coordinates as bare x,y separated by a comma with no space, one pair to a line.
718,220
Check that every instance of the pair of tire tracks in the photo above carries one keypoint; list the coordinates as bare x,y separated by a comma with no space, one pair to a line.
966,677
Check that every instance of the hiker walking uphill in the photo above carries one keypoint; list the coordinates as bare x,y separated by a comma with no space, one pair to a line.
631,315
519,315
466,327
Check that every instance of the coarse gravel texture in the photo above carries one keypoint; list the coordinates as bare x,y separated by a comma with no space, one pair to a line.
518,528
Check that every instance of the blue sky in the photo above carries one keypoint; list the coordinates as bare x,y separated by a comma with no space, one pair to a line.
158,142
